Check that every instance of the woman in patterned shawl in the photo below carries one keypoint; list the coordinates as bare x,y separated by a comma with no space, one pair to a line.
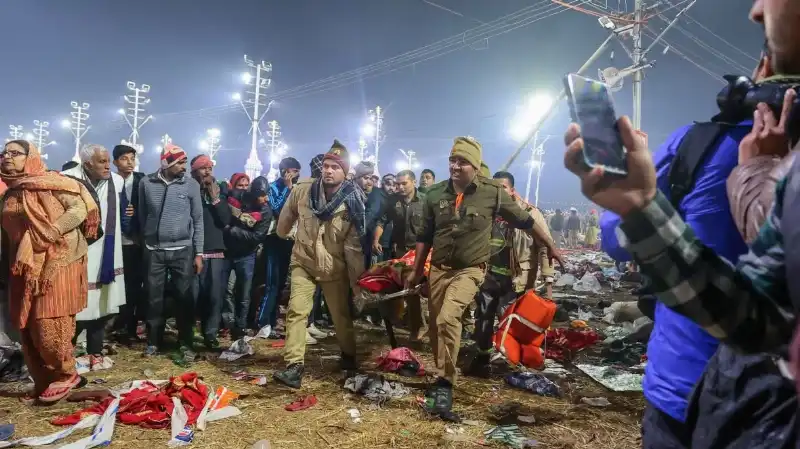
46,218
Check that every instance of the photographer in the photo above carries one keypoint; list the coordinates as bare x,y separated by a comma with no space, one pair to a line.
748,307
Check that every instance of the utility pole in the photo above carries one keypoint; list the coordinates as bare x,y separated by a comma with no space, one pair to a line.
77,125
276,149
619,28
210,145
134,114
165,140
535,163
40,136
260,83
362,148
637,62
16,132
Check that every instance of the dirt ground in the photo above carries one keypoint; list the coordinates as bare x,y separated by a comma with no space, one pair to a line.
559,423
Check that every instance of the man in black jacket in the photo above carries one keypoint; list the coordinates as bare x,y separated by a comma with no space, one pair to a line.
129,314
211,283
252,215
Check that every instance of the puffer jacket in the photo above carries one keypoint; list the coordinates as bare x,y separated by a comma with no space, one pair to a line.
751,191
327,250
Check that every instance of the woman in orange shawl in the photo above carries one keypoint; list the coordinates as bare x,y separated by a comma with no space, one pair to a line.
46,218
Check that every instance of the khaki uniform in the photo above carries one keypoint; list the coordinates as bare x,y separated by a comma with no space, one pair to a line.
325,253
460,240
407,225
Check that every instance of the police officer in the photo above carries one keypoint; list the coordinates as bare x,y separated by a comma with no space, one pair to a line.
457,222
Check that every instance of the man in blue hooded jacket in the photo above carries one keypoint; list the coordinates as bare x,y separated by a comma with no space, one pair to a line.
679,350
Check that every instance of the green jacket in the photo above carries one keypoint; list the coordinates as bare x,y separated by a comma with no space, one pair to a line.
460,236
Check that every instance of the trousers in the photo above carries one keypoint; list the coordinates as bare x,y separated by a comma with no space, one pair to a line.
301,301
210,287
451,291
178,263
136,300
279,253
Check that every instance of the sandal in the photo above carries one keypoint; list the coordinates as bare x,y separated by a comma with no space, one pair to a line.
57,391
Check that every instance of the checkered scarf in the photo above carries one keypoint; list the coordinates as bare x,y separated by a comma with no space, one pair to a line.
350,194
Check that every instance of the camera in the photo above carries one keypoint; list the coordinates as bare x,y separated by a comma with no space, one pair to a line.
738,100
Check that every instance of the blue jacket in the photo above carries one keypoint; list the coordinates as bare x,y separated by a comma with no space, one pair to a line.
679,350
278,194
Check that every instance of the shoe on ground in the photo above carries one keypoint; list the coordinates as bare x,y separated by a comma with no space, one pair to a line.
292,376
316,333
212,344
439,398
348,365
150,351
310,340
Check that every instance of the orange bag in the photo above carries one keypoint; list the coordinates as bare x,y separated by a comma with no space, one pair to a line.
522,330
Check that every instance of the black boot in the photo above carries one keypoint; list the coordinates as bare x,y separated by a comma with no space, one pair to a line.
292,376
480,366
439,400
348,365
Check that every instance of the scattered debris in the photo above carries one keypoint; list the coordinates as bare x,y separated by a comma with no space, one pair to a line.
596,402
535,383
238,349
375,388
301,403
355,415
511,435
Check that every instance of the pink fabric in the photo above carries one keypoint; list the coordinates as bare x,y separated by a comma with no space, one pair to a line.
394,360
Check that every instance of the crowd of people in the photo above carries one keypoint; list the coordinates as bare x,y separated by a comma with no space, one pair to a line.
90,250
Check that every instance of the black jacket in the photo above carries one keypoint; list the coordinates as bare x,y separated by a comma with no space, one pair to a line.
130,225
241,240
215,218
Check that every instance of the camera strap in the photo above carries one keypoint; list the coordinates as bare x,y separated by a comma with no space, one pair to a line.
698,143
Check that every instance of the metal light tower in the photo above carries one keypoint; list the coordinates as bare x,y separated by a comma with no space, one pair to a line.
374,129
16,132
40,136
535,162
134,114
259,82
77,125
275,148
410,162
210,145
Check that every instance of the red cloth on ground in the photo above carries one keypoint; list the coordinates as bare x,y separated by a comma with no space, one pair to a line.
396,358
562,344
150,406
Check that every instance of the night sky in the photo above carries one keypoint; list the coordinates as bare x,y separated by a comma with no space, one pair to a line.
190,52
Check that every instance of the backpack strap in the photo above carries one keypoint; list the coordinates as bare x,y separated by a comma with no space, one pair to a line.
698,143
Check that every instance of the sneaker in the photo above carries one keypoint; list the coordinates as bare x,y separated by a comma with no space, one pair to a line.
310,340
150,351
292,376
316,333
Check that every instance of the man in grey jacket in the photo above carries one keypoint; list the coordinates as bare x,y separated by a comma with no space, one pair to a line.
171,221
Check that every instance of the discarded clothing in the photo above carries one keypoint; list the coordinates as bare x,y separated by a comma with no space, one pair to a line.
402,361
613,379
389,276
535,383
510,435
375,388
12,364
562,344
150,406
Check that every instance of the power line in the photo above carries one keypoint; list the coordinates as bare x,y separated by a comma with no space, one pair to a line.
682,53
710,49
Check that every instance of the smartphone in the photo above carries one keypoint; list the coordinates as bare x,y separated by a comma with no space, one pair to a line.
592,108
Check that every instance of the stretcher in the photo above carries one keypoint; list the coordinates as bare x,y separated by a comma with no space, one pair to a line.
376,299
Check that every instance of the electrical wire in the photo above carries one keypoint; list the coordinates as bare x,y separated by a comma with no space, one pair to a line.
682,53
523,17
730,61
722,39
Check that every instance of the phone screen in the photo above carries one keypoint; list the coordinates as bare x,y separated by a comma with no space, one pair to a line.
593,109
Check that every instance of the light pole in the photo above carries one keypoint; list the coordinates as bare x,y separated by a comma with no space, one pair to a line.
210,145
134,114
16,132
259,82
373,130
275,148
410,160
40,135
77,125
527,117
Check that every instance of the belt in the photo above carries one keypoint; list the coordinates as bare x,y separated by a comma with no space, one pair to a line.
444,267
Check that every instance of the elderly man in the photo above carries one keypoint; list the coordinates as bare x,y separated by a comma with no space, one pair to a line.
104,259
331,219
171,219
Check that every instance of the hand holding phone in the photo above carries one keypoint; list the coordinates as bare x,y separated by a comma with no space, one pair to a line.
592,108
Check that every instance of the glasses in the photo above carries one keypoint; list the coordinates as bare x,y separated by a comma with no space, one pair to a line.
12,154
